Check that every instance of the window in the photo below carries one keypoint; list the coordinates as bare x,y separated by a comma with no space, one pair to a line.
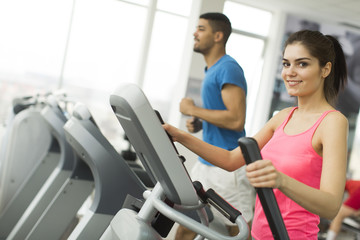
165,52
104,44
89,47
164,61
248,19
246,44
182,7
32,47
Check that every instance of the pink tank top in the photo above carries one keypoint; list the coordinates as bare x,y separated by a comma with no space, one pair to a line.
294,156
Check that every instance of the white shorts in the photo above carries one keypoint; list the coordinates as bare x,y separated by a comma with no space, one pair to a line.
234,187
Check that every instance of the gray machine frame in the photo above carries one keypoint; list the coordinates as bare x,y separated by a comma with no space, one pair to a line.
35,165
23,127
113,178
152,145
51,195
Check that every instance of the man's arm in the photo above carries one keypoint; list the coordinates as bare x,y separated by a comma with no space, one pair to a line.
233,117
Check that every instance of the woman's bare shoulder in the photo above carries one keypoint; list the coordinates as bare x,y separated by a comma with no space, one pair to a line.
335,118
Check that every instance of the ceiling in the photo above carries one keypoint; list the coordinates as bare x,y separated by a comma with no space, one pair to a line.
346,12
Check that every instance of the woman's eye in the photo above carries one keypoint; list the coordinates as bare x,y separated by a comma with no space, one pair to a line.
303,64
285,64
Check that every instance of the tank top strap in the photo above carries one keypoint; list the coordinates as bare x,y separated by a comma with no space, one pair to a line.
286,119
317,123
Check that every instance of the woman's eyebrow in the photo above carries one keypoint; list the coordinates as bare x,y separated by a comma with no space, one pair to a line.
298,59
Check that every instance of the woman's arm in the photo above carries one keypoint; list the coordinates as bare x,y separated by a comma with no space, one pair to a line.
334,135
228,160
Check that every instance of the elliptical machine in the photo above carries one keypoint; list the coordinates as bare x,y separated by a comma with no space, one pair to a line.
173,191
24,125
113,178
55,116
24,168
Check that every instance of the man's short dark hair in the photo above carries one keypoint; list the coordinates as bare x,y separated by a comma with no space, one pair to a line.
219,23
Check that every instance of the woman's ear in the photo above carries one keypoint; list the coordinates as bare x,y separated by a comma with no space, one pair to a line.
326,70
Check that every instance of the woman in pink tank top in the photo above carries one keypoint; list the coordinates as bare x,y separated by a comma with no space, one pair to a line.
304,148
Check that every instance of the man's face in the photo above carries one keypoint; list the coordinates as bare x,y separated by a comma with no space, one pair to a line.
203,37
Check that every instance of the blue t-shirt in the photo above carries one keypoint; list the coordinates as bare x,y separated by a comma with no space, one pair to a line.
225,71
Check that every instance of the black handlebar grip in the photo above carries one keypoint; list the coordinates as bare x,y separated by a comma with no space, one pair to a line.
211,197
249,149
222,206
251,153
200,191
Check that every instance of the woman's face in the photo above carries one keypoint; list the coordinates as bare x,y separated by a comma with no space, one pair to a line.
301,72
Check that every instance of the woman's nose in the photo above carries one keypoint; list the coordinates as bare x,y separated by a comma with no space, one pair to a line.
290,70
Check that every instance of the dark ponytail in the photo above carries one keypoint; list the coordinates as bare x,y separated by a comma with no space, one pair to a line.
339,69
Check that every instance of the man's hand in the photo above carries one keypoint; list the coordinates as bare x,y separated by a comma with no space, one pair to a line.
194,124
186,106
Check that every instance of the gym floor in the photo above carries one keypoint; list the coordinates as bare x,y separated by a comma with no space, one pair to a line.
345,233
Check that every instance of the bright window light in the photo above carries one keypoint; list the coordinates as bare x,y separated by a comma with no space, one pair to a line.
182,7
248,19
166,49
104,48
246,50
246,44
139,2
32,39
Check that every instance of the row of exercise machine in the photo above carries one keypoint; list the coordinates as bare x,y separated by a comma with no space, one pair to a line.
54,160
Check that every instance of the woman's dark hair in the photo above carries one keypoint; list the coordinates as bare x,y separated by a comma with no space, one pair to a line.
219,23
326,49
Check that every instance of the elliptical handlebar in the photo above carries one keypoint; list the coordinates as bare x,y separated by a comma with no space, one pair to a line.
215,200
251,153
200,228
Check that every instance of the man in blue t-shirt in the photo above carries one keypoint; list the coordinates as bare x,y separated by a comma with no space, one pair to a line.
222,117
